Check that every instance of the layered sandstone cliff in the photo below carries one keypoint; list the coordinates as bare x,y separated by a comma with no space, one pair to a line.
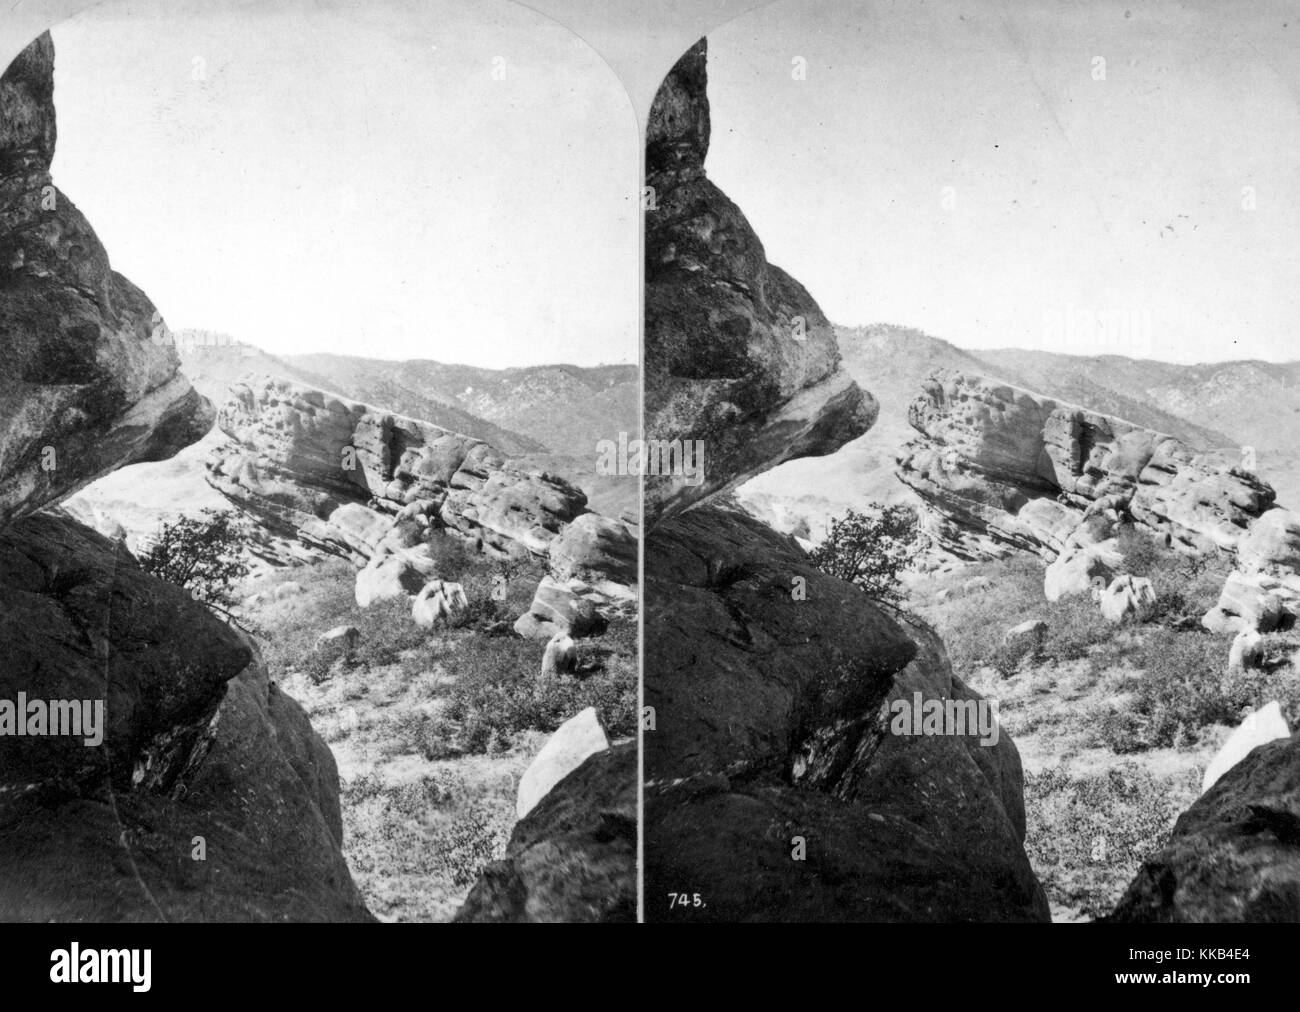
299,456
1004,469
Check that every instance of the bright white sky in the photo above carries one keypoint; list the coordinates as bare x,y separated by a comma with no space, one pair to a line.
1063,186
350,177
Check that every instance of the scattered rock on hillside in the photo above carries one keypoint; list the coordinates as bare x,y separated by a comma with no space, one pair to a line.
560,608
1028,634
338,642
439,602
1082,569
1128,598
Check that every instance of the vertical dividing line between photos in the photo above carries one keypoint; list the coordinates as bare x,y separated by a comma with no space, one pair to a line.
642,125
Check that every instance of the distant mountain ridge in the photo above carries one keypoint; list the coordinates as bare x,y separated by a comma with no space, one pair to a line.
563,408
214,361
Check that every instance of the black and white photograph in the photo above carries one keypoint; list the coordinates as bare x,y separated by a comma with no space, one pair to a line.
976,601
314,603
648,462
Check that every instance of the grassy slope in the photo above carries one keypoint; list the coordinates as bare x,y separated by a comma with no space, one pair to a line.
1115,725
431,730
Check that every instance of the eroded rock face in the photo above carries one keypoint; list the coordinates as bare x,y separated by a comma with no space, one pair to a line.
196,742
1235,854
772,724
737,353
84,388
573,856
302,461
1004,469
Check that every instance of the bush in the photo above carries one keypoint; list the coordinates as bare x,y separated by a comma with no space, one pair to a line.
1184,687
1186,586
498,692
1088,835
872,549
203,554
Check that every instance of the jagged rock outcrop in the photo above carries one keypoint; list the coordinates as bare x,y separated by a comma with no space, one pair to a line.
303,460
593,579
85,388
196,743
776,789
1003,469
1263,593
1235,854
573,856
737,354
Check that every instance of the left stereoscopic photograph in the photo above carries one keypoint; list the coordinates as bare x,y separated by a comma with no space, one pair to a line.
316,600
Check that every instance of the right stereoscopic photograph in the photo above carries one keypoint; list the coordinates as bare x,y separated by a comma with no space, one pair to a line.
970,577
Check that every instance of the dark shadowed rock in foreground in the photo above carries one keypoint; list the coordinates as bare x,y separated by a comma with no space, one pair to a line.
573,857
1235,854
85,386
196,743
737,353
771,725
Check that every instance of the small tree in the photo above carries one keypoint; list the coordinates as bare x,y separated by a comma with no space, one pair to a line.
871,549
203,554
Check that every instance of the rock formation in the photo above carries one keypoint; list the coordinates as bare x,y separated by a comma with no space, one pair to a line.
1003,469
207,795
85,387
737,354
1235,854
573,856
775,788
306,463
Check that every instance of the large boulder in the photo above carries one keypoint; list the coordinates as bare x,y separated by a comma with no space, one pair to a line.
771,728
1082,570
1255,602
398,574
594,548
1128,599
573,856
209,797
1234,855
562,608
91,380
439,602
